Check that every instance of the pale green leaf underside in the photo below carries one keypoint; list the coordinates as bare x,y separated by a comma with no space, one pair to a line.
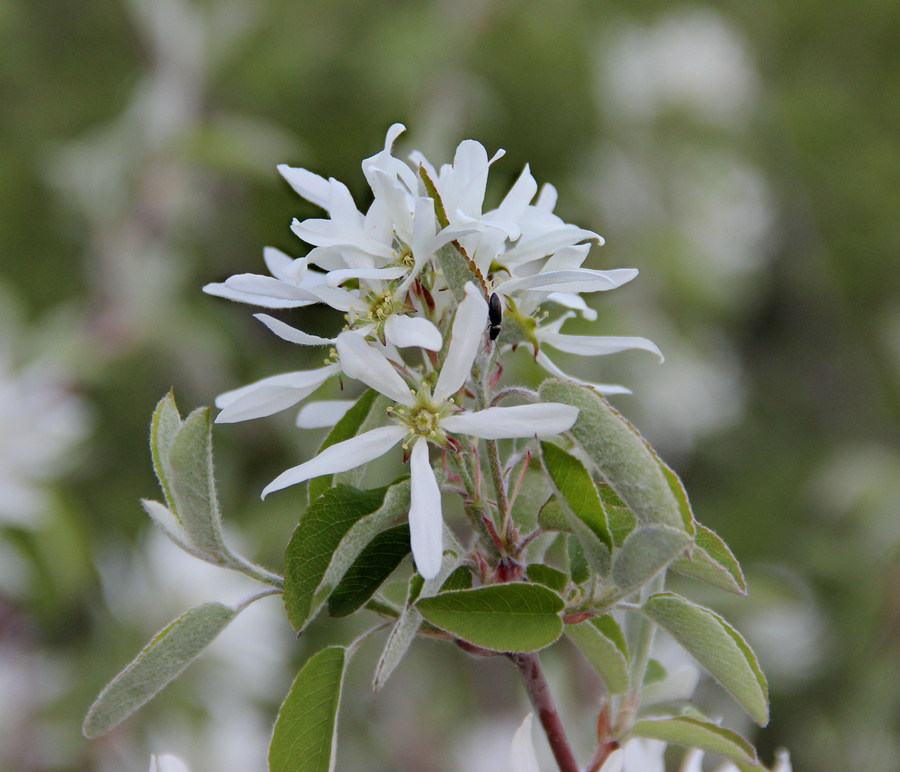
717,646
304,739
694,733
603,645
712,561
620,454
158,664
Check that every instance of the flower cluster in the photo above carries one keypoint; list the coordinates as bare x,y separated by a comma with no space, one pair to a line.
433,289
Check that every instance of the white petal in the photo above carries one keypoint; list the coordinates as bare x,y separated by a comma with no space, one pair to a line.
167,763
292,334
496,423
522,757
465,340
361,361
782,761
334,278
596,345
264,291
692,761
326,412
426,523
571,300
526,250
405,331
312,187
615,761
576,280
277,261
340,457
604,388
271,394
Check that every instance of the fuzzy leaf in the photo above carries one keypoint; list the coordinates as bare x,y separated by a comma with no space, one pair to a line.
305,735
332,533
548,576
620,453
375,563
164,425
159,663
694,733
717,646
645,552
501,617
712,561
601,641
193,483
407,625
344,429
577,489
559,516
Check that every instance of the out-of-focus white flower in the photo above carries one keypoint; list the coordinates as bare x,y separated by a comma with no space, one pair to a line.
41,421
424,416
693,761
167,763
522,757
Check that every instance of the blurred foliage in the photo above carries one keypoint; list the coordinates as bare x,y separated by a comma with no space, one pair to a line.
743,156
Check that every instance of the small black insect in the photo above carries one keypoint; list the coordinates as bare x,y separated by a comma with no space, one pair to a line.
495,316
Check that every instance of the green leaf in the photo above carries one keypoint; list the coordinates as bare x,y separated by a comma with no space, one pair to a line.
407,625
344,429
717,646
159,663
193,484
694,733
646,551
601,641
711,561
332,533
558,516
375,563
548,576
515,617
577,489
305,733
620,453
460,579
679,492
164,425
579,569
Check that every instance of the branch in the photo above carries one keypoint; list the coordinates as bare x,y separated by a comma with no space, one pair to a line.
539,693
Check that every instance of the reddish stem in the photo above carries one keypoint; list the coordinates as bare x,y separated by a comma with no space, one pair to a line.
539,693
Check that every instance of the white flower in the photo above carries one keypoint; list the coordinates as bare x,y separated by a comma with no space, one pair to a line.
40,423
167,763
424,416
693,762
522,757
289,286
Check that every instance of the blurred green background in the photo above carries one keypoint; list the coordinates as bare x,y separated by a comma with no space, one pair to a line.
743,156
